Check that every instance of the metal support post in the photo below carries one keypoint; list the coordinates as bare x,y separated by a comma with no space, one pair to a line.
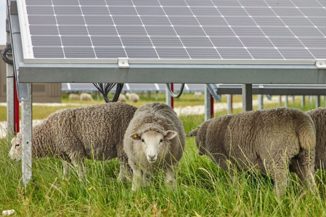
317,101
303,101
168,98
26,100
247,97
209,105
229,101
10,101
261,102
286,101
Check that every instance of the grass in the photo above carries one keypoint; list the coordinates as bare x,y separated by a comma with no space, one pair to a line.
203,190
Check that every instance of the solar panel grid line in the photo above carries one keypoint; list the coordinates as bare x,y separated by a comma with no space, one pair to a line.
307,17
175,31
81,9
244,46
290,29
148,36
56,22
275,47
208,37
123,47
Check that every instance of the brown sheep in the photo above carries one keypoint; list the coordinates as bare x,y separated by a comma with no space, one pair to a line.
273,141
94,132
319,117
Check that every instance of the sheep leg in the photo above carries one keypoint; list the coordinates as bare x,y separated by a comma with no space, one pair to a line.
170,178
66,168
81,171
136,179
303,166
278,170
124,173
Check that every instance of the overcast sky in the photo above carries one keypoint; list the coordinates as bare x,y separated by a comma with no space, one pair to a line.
2,22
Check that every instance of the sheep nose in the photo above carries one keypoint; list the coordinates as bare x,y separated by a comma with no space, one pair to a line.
152,158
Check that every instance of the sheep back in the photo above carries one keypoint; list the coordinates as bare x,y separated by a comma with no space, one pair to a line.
93,131
319,118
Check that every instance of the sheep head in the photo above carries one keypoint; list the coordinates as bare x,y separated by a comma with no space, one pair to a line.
15,152
154,144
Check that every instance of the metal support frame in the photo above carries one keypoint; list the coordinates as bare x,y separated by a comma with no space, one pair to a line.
303,101
261,102
317,101
209,104
10,101
168,98
229,102
286,101
247,97
26,100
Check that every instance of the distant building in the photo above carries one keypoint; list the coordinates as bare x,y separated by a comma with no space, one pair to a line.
42,92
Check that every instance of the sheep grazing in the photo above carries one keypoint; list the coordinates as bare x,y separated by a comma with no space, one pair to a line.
93,132
122,98
133,97
86,97
274,141
73,96
154,139
319,118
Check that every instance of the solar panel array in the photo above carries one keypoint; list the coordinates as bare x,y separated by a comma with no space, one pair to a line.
178,29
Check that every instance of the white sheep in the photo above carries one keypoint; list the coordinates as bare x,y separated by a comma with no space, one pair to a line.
133,97
74,96
94,132
86,97
122,98
154,140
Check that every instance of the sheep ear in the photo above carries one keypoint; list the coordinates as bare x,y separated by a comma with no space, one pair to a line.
170,134
135,136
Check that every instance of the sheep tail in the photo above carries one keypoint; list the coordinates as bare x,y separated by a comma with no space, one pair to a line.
307,134
193,132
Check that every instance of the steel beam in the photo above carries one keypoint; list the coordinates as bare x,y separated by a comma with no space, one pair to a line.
229,101
209,105
247,97
260,102
169,100
317,101
26,101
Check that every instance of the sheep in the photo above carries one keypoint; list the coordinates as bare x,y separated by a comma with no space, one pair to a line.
274,141
122,98
93,132
154,140
133,97
73,96
86,97
319,118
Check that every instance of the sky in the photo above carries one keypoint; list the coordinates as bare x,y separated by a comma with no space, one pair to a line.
2,22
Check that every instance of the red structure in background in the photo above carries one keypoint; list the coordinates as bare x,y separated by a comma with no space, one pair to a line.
16,108
172,98
211,102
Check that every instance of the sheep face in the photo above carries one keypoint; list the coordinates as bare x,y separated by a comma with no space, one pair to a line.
15,152
154,145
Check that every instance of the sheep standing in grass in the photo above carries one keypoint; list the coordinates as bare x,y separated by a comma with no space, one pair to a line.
273,141
86,97
122,98
319,117
74,96
133,97
94,132
154,139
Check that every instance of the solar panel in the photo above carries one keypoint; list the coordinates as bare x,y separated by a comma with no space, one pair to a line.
174,29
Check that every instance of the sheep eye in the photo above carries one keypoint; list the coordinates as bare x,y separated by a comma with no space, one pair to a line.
161,140
142,140
17,145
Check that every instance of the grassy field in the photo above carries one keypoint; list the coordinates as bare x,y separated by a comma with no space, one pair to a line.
203,190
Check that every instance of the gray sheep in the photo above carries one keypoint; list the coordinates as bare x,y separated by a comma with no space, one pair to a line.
94,132
274,141
319,117
154,140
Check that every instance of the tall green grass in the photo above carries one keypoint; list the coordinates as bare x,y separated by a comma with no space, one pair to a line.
203,190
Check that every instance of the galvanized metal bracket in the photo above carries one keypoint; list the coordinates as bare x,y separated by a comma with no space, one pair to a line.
123,63
321,64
